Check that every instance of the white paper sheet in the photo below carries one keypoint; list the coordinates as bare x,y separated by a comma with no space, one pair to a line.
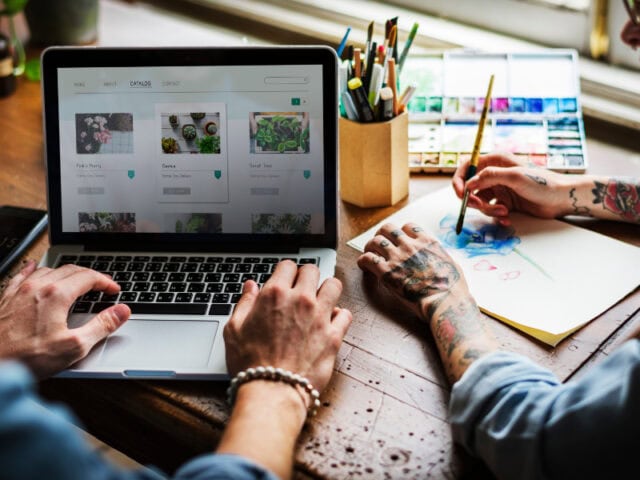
545,277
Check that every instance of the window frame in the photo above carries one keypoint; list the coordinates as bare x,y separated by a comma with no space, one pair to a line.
566,28
609,93
528,20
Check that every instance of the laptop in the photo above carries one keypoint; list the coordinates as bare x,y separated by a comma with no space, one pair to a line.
183,172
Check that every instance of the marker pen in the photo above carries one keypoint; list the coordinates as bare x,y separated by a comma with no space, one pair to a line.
365,113
375,85
385,106
349,107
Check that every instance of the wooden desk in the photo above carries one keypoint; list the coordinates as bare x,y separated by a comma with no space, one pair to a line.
385,412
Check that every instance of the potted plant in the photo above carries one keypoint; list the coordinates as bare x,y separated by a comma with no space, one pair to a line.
62,22
170,145
189,131
210,128
173,120
197,115
208,144
10,8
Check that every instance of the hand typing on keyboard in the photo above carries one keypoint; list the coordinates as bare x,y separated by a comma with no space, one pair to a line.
33,317
291,324
176,284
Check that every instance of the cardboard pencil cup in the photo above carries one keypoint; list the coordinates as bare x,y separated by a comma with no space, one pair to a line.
374,165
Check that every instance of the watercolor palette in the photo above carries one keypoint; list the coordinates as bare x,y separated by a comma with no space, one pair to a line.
535,108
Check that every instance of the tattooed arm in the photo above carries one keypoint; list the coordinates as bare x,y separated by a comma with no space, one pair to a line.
504,184
417,270
606,197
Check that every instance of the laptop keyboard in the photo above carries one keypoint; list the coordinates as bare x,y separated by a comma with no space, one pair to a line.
159,284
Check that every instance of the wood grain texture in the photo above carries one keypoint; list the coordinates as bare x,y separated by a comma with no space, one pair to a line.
385,410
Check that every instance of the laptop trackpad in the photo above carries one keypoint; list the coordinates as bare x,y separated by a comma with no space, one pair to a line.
160,345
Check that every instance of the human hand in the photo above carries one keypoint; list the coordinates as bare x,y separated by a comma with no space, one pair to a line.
631,34
418,271
414,267
33,317
290,324
502,185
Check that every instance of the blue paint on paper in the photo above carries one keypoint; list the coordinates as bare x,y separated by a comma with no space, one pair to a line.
478,236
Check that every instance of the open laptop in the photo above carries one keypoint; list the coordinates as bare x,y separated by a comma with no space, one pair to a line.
183,172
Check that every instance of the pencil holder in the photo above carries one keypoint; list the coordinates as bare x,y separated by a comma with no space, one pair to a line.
374,165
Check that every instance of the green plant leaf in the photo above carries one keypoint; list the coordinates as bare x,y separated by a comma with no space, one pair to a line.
11,7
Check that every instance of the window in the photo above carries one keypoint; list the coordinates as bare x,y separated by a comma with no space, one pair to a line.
608,92
590,26
552,23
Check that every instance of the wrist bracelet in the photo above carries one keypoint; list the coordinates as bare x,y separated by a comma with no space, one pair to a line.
276,375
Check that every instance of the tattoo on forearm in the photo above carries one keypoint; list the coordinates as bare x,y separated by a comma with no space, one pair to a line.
621,197
472,355
456,324
422,275
537,179
577,209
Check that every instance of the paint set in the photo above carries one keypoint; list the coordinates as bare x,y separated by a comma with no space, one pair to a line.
535,110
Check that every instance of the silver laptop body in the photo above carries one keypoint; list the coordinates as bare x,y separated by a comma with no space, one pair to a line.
182,172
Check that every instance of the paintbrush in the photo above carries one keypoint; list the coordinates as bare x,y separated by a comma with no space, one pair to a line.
407,45
367,47
389,52
473,165
343,42
632,11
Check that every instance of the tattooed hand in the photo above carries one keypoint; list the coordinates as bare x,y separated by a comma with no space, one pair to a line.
413,266
418,271
504,184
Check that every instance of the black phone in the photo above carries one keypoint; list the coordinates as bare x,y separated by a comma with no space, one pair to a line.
19,227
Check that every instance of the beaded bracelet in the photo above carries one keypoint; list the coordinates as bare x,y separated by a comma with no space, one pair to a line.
276,375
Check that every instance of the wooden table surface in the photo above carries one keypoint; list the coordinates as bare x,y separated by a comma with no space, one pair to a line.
385,410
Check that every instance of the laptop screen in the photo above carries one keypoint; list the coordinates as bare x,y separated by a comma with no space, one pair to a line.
191,145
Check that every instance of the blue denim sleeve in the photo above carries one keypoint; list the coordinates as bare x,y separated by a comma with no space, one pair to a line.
222,467
525,424
36,443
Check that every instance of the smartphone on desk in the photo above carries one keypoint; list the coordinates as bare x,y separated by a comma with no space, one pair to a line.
19,228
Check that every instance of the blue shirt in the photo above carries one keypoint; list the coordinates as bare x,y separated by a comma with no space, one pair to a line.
525,424
36,444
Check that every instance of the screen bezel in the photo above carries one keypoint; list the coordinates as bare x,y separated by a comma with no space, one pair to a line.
54,58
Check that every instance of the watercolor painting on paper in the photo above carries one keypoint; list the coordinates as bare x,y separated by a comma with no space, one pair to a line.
536,275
